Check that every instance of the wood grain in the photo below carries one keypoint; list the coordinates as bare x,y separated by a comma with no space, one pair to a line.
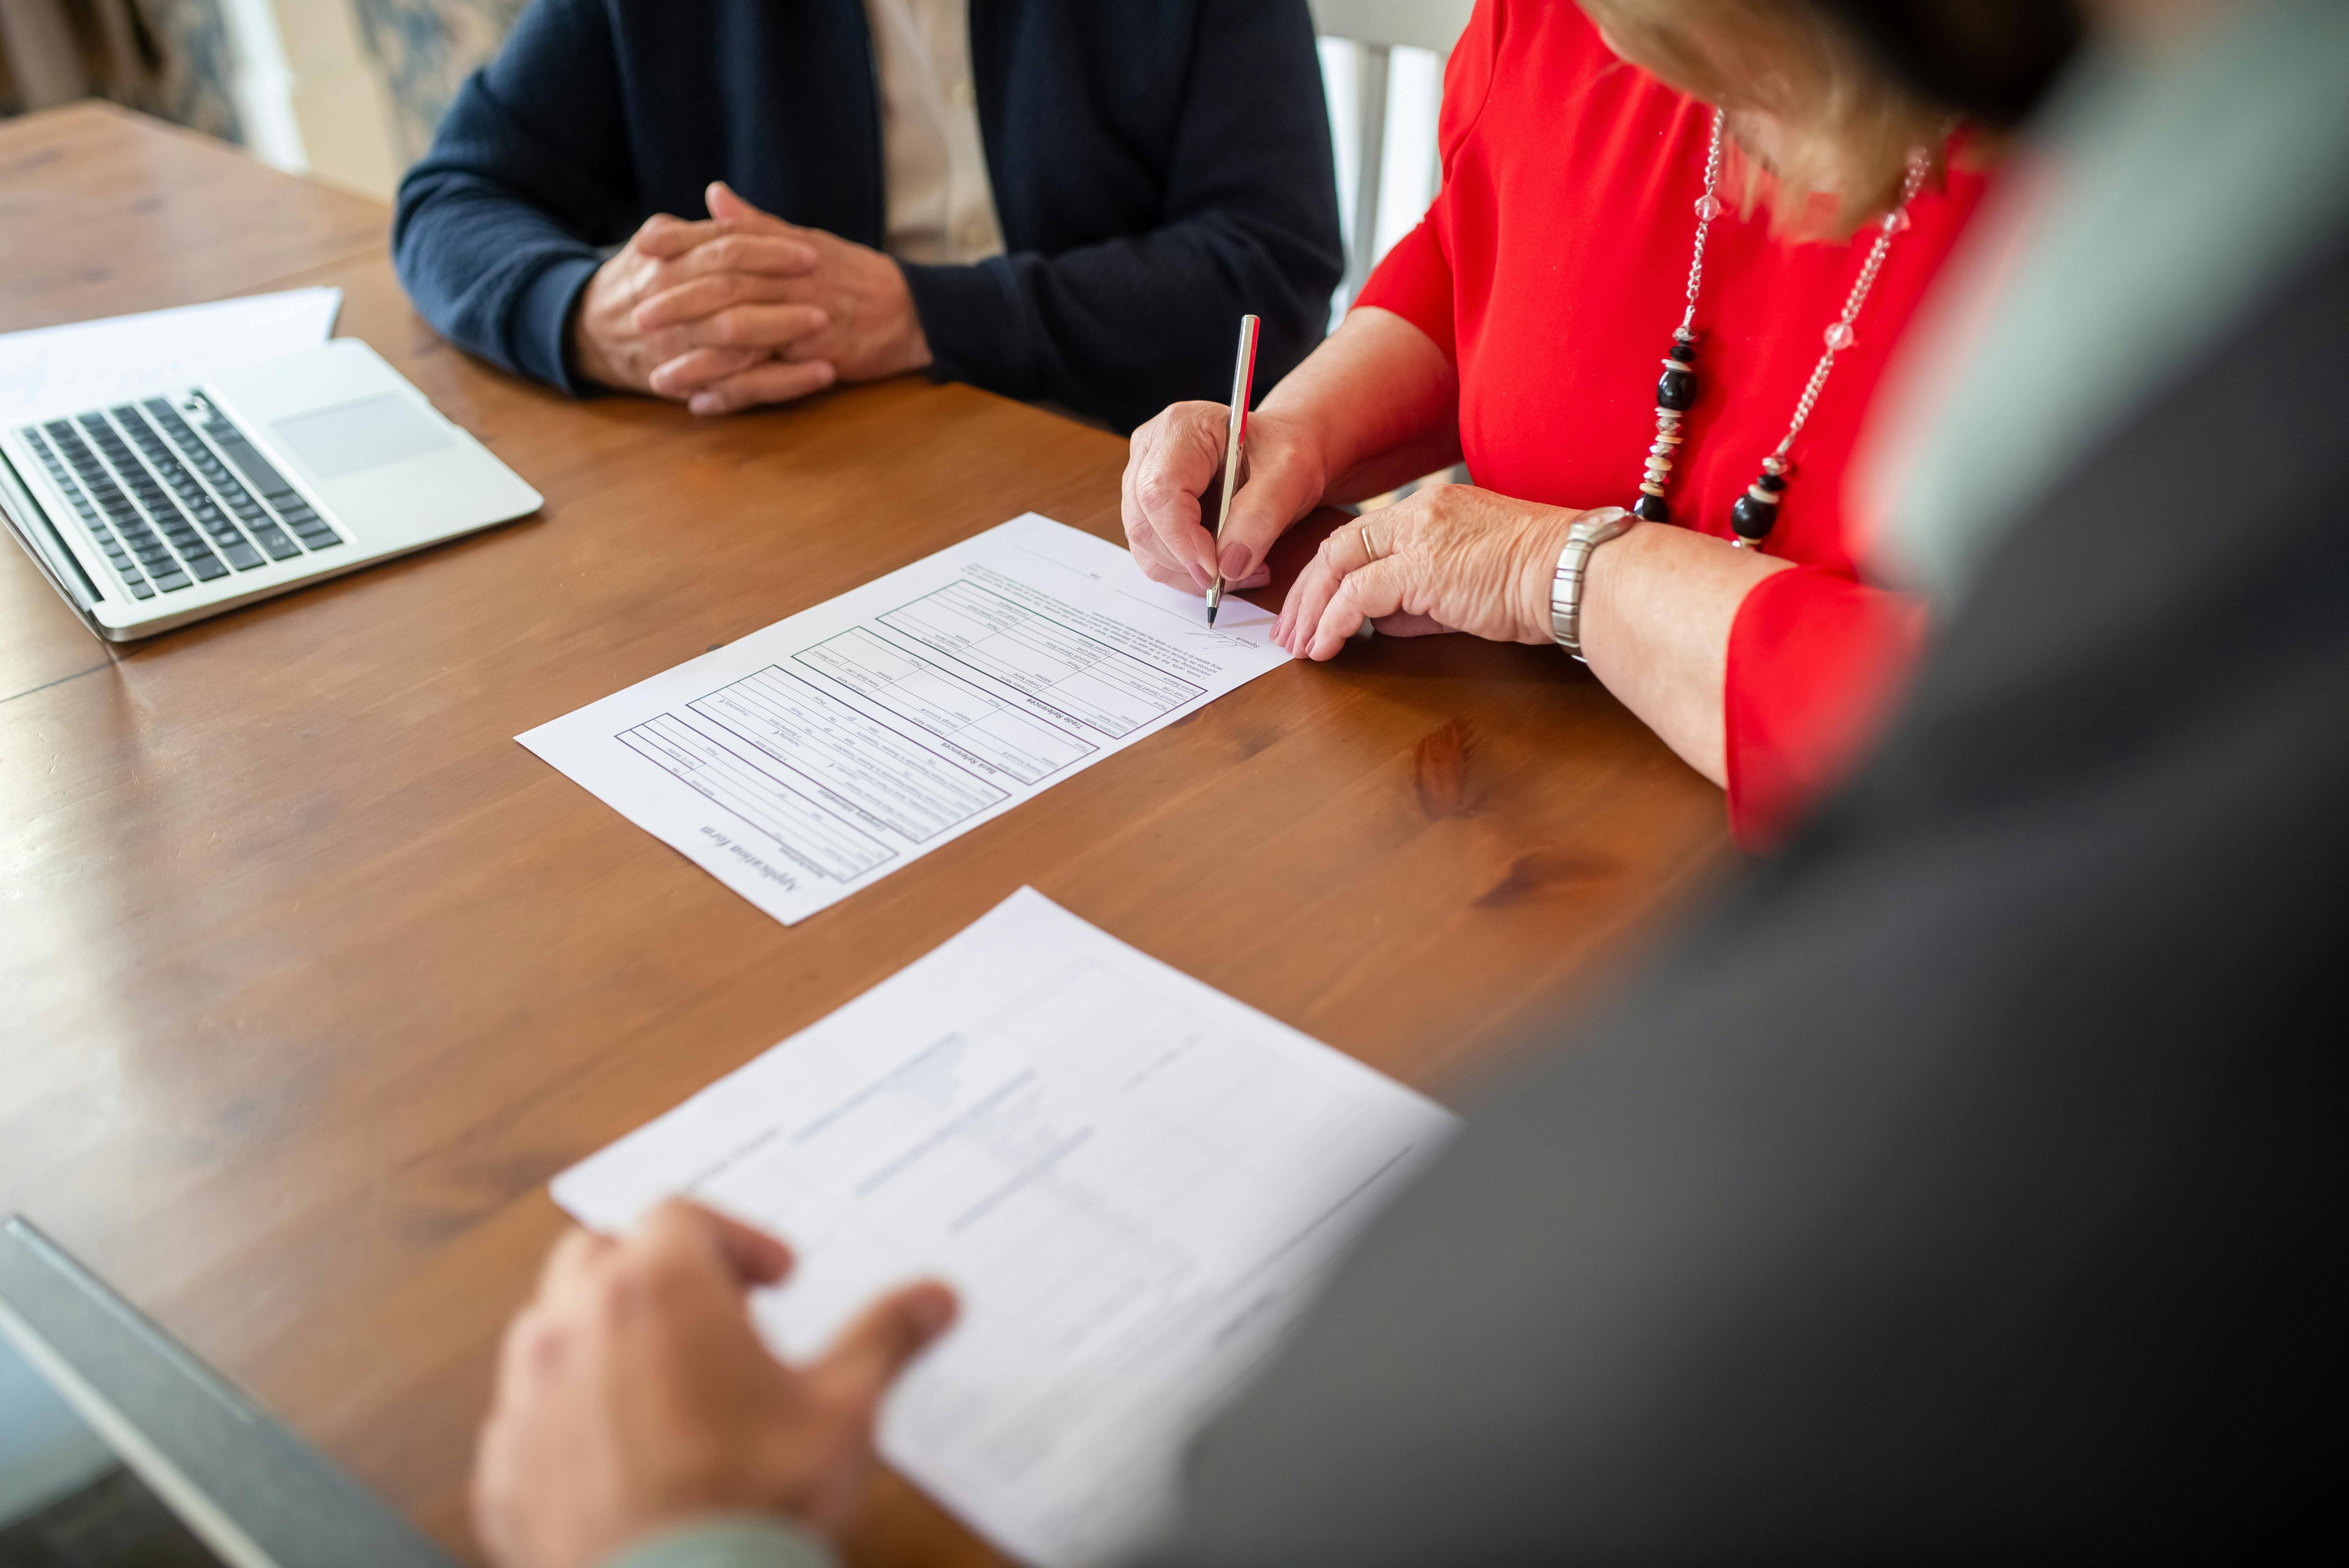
313,978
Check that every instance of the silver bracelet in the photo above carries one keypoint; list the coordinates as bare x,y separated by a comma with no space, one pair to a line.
1565,587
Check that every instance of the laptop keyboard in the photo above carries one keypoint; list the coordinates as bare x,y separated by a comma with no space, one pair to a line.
162,503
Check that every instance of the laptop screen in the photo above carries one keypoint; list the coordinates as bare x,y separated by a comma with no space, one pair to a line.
66,1499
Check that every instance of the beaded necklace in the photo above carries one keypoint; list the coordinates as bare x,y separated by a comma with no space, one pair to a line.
1751,519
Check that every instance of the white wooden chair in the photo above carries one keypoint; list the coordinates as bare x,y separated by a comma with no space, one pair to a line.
1375,28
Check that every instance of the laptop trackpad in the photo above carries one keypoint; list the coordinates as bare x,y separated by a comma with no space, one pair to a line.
368,434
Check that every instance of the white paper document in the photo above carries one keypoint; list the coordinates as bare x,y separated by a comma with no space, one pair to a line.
89,364
1131,1180
820,754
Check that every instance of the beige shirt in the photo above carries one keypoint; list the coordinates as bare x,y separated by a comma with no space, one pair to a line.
940,203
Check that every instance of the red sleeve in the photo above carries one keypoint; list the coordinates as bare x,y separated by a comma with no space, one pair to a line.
1816,659
1414,279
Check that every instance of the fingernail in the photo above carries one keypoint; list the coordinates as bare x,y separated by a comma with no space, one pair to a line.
1236,562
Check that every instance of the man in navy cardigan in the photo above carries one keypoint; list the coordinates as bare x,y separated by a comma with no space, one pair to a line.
689,198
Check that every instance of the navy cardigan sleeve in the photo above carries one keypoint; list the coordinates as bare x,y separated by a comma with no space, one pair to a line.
498,229
1160,167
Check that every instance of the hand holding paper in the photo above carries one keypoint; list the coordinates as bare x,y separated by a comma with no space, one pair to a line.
1132,1182
634,1397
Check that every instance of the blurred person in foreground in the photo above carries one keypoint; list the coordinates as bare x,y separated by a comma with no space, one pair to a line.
1676,245
1966,1185
732,203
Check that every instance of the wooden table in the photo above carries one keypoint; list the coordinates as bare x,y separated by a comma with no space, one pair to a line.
311,977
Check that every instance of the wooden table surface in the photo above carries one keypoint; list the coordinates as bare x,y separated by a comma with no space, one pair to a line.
312,978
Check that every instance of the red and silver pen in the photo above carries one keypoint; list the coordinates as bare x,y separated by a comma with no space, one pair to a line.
1235,443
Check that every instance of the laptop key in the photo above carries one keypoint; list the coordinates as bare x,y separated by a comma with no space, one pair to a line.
241,556
206,566
172,581
276,541
138,588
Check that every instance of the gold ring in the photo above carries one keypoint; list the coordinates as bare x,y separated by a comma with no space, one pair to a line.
1369,543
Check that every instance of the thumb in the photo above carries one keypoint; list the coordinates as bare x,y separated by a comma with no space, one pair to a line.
728,208
873,1351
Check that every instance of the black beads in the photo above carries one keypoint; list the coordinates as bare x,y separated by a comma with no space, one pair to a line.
1652,509
1676,390
1756,511
1753,518
1684,352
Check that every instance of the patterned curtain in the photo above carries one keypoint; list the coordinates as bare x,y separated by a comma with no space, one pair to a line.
166,58
427,48
186,67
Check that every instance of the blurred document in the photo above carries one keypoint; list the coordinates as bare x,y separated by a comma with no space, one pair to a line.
1133,1181
91,364
823,753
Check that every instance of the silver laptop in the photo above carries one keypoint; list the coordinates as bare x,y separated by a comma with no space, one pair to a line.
153,513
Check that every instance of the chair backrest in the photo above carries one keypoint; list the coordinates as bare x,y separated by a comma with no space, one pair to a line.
1375,28
1431,25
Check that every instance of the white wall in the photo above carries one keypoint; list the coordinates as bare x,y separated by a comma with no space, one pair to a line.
312,100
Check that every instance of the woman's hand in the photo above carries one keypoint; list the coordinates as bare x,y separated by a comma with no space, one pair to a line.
1448,558
1377,404
1175,472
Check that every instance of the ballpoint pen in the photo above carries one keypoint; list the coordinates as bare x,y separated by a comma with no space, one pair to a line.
1235,443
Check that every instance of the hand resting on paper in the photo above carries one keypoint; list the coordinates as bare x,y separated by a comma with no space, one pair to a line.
634,1396
741,309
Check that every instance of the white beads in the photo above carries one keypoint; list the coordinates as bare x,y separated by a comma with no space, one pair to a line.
1896,221
1839,336
1708,207
1774,464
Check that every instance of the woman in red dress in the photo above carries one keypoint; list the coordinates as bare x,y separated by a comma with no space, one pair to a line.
1544,321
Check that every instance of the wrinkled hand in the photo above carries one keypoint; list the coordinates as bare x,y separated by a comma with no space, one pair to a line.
1447,558
749,286
634,1396
865,325
1173,481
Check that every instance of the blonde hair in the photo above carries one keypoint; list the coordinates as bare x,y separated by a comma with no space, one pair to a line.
1843,129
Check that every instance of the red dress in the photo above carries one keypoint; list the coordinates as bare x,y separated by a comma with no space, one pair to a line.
1552,269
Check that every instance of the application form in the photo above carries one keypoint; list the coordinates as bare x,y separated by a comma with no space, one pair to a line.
86,365
821,753
1132,1182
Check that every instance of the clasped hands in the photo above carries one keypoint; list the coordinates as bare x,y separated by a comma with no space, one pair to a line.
1447,558
741,308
